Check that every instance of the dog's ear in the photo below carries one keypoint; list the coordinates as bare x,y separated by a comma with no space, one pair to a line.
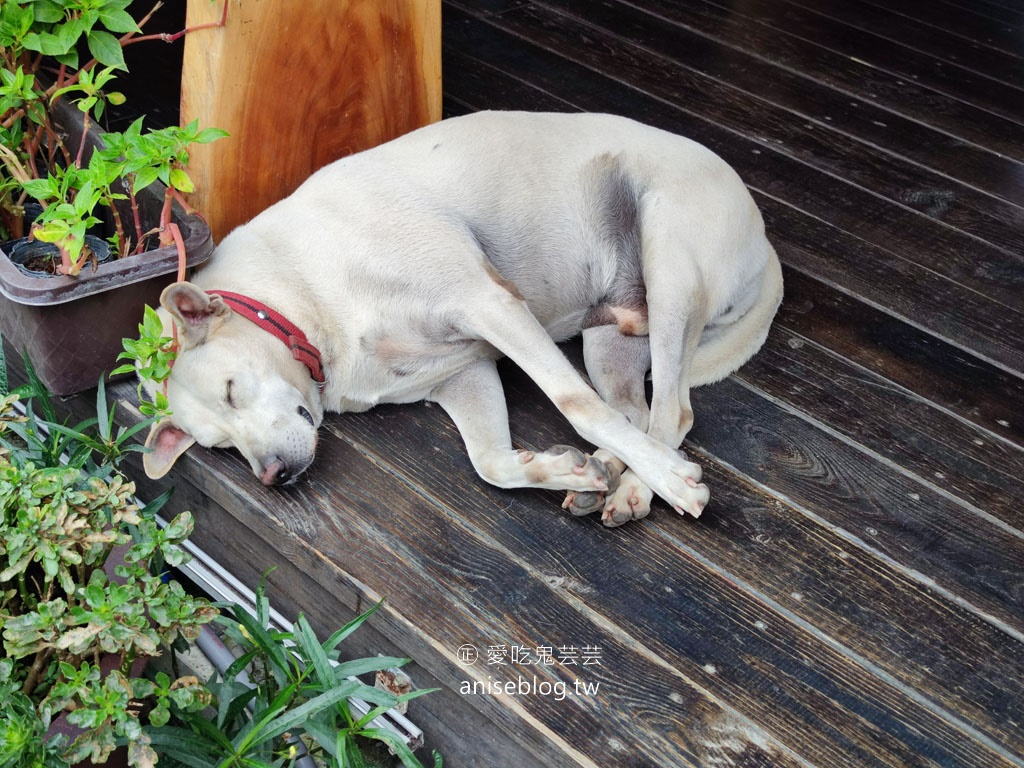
196,312
166,442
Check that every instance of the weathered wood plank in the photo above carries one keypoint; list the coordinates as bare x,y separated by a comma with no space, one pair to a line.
895,58
961,20
687,603
941,43
964,318
952,378
915,525
840,73
896,423
1001,10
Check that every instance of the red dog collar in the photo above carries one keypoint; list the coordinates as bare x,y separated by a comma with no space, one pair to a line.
277,325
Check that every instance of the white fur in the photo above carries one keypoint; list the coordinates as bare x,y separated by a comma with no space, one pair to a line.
407,265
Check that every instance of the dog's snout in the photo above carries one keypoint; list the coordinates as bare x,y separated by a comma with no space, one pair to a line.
276,473
307,416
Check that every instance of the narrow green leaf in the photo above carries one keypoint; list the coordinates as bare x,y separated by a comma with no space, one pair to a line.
293,719
370,664
339,636
396,743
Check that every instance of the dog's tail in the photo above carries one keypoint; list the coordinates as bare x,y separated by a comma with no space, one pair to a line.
730,346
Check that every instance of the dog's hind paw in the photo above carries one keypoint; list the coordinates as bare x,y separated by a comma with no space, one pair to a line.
580,503
630,501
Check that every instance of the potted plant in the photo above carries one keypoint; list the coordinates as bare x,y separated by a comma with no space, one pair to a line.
96,192
83,596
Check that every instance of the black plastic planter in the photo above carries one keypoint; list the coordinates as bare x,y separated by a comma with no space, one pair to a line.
72,327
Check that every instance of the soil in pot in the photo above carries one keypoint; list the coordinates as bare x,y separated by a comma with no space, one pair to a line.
38,259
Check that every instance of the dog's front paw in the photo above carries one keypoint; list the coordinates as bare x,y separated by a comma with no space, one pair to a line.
684,491
630,501
562,466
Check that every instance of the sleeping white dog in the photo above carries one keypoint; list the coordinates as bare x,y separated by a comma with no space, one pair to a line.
402,273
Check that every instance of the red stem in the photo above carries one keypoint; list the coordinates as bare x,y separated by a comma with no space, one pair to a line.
170,38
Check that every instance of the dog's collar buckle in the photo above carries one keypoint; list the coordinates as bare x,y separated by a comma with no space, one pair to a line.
277,325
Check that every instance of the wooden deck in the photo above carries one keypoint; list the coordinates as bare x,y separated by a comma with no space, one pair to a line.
854,593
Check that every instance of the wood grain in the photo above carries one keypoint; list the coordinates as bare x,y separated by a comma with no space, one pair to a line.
801,566
300,85
910,32
852,595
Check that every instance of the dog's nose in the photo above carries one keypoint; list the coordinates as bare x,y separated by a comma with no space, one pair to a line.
276,473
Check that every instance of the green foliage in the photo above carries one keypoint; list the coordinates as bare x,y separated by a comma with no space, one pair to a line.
36,163
159,155
151,356
296,701
65,507
55,28
23,731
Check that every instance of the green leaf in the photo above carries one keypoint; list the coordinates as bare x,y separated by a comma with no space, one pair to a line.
313,652
70,33
48,11
180,181
261,639
208,135
144,178
339,636
187,746
396,743
106,49
288,720
40,189
118,21
370,664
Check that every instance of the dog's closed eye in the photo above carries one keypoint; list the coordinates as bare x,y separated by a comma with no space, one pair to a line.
228,398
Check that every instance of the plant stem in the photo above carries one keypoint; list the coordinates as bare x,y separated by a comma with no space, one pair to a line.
82,143
38,665
170,38
179,243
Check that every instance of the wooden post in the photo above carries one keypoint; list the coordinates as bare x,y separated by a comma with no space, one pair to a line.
297,84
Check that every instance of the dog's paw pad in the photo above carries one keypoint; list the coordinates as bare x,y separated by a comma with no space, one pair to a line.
698,499
571,468
574,456
631,500
580,503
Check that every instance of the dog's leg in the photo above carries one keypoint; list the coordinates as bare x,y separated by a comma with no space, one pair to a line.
617,365
677,307
503,319
475,400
